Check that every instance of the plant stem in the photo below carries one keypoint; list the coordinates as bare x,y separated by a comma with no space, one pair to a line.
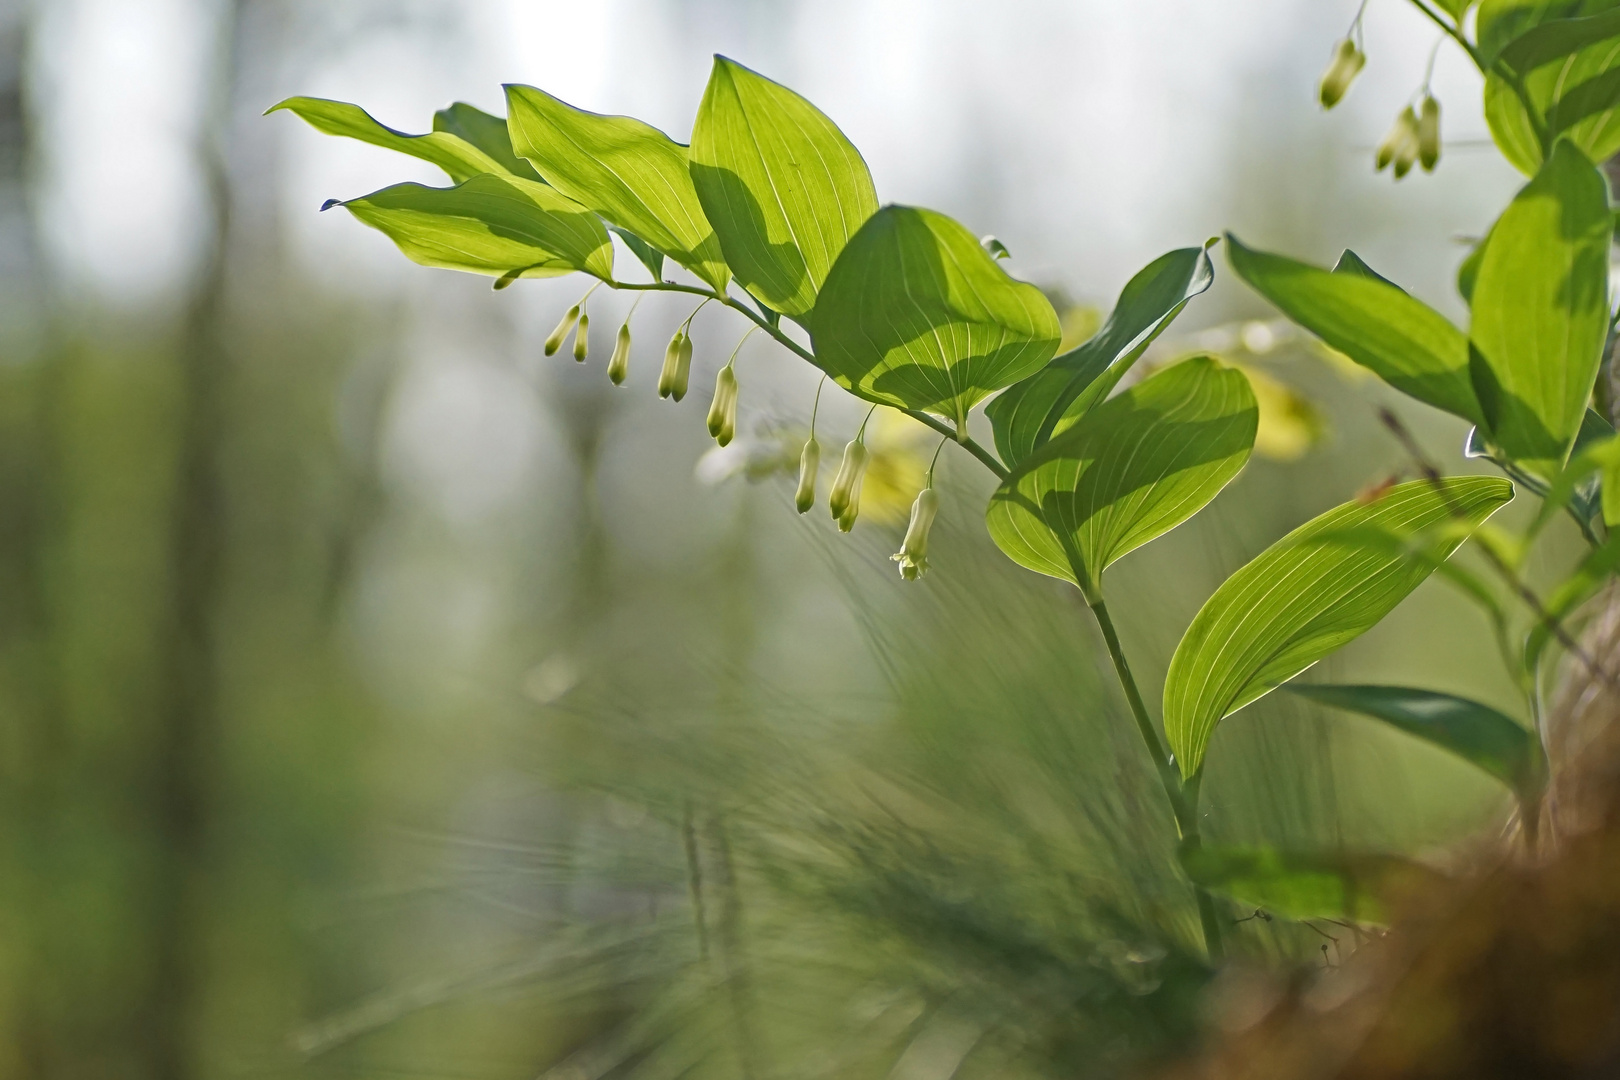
1513,78
1182,797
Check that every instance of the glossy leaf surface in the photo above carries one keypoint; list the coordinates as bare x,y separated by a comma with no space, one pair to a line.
503,226
631,173
645,253
1311,592
1479,734
1030,412
1360,888
783,187
460,159
1540,308
916,314
1132,469
1398,337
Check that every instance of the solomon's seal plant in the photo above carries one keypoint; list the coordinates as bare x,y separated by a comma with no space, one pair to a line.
770,212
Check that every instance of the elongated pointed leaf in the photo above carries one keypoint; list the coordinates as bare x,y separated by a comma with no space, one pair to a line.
1357,887
488,133
1351,263
1132,469
1031,411
1398,337
1541,312
631,173
916,314
648,256
1479,734
783,186
502,226
1503,22
1571,72
1311,592
460,159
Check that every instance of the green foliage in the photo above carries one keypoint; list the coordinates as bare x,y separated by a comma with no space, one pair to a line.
1570,71
1031,411
783,186
1309,885
1541,311
631,173
1132,469
461,158
503,226
1318,588
1479,734
917,315
486,132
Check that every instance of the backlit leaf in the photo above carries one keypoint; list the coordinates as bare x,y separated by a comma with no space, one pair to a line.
631,173
1030,412
1501,22
1351,263
460,159
1571,72
783,187
649,256
1478,734
1311,592
1541,312
1132,469
916,314
503,226
1398,337
1357,887
486,132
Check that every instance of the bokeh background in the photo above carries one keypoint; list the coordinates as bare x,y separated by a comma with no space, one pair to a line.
381,698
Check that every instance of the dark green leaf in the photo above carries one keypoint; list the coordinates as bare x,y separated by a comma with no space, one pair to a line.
461,160
1132,469
1468,272
631,173
486,132
783,187
1360,888
1541,312
1476,733
1059,394
1311,592
915,314
502,226
649,257
1399,338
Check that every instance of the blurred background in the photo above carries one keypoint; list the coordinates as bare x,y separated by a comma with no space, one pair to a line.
381,698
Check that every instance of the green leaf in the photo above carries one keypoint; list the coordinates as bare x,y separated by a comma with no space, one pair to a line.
1311,592
1031,411
915,314
1132,469
1541,311
783,186
1351,263
1502,22
1468,271
488,133
460,159
1571,73
631,173
1583,487
1356,887
1399,338
651,258
1593,573
1480,735
503,226
1455,8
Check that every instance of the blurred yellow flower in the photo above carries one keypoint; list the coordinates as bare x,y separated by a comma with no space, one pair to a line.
900,448
1290,424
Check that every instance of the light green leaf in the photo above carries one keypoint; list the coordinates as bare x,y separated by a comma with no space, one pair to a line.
1479,734
1468,271
783,187
1311,592
631,173
1502,22
1570,68
1356,887
1541,309
503,226
1132,469
1455,8
460,159
1351,263
488,133
1399,338
1030,412
915,314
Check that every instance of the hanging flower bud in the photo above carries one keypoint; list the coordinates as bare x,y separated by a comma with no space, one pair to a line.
809,465
580,337
1400,146
913,553
672,364
1429,133
845,499
554,342
723,409
1341,71
619,362
683,369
